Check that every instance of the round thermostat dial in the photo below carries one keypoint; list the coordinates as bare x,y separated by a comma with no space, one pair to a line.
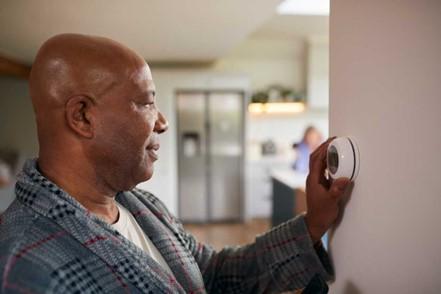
343,158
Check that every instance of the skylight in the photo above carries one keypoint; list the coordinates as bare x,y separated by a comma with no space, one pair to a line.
304,7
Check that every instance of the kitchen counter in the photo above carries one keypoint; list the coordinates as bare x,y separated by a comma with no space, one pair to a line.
258,183
289,177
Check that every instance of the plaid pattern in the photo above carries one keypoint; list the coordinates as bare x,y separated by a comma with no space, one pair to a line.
72,276
49,243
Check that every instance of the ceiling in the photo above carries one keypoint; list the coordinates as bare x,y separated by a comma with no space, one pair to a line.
160,30
294,26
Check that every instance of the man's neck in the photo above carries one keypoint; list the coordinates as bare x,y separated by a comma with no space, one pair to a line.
81,183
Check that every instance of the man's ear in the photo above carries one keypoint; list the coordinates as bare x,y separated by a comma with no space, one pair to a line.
80,115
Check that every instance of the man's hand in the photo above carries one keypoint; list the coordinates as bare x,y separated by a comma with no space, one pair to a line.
322,196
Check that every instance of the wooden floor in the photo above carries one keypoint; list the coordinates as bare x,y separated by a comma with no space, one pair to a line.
220,235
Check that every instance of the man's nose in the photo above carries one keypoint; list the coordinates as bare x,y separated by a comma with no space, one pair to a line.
161,124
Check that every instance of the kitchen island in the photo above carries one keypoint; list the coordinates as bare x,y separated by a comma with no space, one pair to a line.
288,194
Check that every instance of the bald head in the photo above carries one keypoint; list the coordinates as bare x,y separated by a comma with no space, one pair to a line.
73,64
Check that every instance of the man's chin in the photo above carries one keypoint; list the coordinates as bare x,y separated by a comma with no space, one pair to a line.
141,174
147,174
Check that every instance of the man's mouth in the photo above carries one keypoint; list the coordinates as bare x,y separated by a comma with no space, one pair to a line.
153,150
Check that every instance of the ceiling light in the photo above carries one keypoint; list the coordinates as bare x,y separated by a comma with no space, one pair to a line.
304,7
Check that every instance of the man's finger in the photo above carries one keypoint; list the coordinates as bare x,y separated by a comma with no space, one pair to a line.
324,145
338,187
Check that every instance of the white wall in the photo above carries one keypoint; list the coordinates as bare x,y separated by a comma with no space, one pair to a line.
318,72
268,62
385,91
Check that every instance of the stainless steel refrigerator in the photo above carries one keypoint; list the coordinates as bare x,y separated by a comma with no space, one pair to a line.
210,155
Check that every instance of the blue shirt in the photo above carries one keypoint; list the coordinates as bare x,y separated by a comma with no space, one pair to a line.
302,160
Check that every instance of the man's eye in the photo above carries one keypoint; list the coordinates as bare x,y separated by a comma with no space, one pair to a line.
148,104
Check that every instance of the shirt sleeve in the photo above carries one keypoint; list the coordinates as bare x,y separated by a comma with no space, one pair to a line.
282,259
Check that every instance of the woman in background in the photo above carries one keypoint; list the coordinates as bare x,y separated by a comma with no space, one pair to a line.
312,138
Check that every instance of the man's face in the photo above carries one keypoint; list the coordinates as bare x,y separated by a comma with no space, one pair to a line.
128,123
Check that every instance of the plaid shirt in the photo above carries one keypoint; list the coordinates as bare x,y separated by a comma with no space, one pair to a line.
49,243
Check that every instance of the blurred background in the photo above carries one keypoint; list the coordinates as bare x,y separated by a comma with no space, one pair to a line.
244,85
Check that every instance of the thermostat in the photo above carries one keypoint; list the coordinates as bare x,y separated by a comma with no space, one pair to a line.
343,158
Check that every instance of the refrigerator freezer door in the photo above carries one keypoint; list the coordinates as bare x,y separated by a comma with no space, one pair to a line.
225,143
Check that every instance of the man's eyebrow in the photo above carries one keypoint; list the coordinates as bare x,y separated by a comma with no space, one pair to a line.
145,94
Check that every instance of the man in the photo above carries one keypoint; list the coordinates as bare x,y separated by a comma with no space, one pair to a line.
79,225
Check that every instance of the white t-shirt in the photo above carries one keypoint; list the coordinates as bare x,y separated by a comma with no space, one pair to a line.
127,226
